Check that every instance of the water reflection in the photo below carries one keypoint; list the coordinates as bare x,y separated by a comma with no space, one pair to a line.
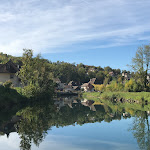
32,122
141,130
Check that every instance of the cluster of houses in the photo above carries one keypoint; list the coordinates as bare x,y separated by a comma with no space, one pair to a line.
67,88
8,72
73,87
127,76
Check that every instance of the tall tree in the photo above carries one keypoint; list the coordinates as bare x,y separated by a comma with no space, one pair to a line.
141,130
35,75
141,64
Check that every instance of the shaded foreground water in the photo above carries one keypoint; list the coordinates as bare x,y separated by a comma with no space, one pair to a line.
72,124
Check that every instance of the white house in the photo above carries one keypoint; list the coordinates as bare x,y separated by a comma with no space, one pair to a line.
87,87
8,73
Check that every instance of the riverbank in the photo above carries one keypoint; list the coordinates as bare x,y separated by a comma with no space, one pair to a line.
135,97
11,97
122,101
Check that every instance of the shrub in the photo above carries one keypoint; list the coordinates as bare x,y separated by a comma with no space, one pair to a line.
132,86
7,84
113,86
19,90
99,87
30,91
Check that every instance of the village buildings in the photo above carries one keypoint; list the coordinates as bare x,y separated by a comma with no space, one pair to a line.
87,87
127,76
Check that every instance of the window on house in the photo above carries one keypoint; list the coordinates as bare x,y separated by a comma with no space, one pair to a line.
11,76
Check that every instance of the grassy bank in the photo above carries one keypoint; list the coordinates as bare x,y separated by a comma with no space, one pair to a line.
107,99
136,96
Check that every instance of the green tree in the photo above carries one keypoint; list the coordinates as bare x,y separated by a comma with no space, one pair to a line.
141,130
108,69
66,72
141,64
108,78
35,75
100,77
82,74
91,74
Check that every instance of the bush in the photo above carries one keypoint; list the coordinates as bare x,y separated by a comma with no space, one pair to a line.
132,86
114,86
7,84
19,90
9,97
30,91
100,87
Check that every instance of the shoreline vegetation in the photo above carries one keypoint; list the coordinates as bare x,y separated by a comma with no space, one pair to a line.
37,77
117,101
132,97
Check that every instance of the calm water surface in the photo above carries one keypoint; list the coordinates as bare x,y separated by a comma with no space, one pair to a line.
73,124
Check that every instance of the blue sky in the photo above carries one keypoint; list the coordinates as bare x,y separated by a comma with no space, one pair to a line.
94,32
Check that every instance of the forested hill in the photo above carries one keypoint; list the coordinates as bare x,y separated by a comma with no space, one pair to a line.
67,72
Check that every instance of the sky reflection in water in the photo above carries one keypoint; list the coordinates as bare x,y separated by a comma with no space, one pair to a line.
105,136
75,125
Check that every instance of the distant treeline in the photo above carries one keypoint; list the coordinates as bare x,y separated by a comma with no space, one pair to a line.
37,73
67,72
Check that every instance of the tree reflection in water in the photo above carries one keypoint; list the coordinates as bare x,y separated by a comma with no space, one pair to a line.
37,118
141,130
40,117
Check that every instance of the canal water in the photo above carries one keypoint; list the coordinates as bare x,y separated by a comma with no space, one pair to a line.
70,123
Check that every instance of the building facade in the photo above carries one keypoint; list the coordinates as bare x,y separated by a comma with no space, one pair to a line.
8,73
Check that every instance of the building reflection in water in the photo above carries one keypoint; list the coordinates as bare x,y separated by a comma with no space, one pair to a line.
33,121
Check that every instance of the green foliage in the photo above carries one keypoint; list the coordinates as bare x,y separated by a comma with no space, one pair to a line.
9,97
132,86
100,77
141,64
115,86
117,71
39,117
35,76
129,85
66,72
19,90
82,74
98,87
7,84
91,74
109,69
107,80
138,96
38,72
4,58
119,85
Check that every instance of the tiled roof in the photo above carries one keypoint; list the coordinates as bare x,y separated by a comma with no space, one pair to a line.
92,81
84,85
9,67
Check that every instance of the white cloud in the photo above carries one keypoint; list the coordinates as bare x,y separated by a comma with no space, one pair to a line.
54,25
12,142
